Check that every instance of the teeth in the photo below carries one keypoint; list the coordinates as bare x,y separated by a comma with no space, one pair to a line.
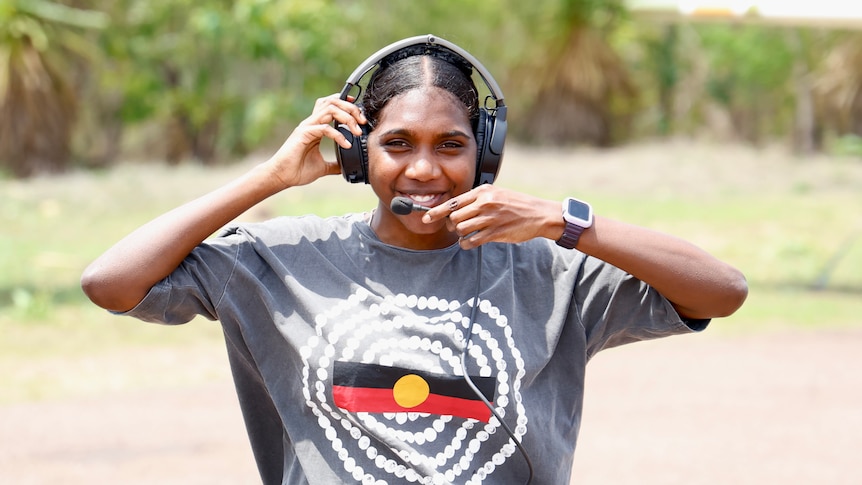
421,198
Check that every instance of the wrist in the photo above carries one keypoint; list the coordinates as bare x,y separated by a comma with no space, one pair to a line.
577,217
268,178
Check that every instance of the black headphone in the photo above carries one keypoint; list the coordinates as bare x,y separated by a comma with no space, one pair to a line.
490,130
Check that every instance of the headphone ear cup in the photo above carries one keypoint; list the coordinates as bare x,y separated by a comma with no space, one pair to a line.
354,160
487,159
481,129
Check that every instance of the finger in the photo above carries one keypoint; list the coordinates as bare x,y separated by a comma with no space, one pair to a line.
332,109
448,208
470,226
470,242
356,114
337,136
475,239
352,108
441,211
310,135
450,226
339,112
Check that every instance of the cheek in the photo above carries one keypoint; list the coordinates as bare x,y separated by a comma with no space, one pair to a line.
464,171
380,167
468,166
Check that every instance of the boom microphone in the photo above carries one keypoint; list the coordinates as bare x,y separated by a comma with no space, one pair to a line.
403,206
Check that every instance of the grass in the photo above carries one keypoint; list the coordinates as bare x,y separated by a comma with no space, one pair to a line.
779,219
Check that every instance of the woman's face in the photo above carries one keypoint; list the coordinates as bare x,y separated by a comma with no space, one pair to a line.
423,148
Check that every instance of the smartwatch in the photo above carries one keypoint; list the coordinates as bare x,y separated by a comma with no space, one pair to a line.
578,216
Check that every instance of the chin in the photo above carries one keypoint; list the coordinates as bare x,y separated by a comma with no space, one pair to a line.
436,230
426,229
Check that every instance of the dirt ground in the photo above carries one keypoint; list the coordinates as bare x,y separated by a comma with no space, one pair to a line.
776,407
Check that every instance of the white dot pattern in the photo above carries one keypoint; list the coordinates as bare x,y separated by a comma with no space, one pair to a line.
424,333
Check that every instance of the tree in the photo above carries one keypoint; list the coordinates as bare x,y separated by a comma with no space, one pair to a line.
216,77
579,88
38,105
751,75
838,86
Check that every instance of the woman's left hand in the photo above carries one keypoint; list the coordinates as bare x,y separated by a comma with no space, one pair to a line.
493,214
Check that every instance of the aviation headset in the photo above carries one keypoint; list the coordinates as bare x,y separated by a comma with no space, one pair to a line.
490,130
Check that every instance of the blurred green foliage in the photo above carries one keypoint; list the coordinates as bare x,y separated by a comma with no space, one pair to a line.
213,80
849,145
756,87
219,73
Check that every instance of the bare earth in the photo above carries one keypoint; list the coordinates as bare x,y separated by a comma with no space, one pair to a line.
775,406
783,407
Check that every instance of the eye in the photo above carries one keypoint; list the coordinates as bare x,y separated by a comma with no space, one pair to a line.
395,144
451,147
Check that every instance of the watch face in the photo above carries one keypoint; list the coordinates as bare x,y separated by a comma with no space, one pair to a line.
578,209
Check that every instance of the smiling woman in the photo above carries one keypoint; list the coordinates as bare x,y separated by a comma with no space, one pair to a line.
439,346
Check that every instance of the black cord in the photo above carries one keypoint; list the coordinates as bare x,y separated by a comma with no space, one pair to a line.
470,380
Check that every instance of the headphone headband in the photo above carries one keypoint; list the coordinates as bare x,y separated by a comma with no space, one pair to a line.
429,40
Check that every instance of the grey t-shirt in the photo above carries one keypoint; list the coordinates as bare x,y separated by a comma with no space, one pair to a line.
346,352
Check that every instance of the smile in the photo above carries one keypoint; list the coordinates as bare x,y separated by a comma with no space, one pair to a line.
425,199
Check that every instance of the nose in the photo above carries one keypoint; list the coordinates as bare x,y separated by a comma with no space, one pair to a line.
423,168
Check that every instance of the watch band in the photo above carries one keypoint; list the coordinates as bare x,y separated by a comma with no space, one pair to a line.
570,237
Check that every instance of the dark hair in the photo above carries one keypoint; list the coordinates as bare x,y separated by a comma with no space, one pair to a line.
417,66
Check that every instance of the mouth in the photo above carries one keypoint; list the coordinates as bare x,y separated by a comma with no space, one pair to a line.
428,200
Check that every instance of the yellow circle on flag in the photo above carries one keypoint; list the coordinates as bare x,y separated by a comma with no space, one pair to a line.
410,391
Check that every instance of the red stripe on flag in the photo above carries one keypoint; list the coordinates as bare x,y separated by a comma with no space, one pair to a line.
369,400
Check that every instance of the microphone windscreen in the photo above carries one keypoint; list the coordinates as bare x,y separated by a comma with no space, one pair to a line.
401,206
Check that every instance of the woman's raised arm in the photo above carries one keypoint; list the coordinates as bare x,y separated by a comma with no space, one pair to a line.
121,277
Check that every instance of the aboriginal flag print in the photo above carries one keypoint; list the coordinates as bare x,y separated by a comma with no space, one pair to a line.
374,388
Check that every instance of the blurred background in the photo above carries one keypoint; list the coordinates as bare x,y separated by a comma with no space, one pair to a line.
91,83
735,124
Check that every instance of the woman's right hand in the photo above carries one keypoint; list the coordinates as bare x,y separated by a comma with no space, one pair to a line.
299,161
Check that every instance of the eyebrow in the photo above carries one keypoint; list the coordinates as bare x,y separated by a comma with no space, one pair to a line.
406,132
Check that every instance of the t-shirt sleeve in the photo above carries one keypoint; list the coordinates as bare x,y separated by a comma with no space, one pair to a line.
616,308
194,288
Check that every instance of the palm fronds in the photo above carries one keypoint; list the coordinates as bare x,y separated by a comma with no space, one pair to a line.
37,103
838,86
